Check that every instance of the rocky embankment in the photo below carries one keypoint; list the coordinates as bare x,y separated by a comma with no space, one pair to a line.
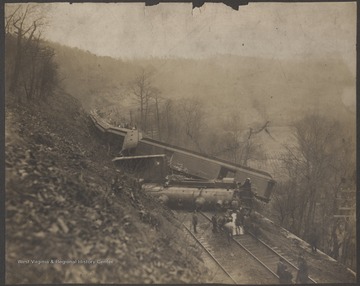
72,218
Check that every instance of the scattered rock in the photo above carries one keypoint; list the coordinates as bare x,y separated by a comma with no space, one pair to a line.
58,207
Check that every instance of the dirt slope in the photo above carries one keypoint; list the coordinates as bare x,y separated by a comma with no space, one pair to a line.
322,268
72,218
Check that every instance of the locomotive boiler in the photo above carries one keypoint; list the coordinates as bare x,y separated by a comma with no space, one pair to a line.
204,195
192,197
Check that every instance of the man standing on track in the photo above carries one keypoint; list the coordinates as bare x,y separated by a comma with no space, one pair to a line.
313,240
302,275
281,271
195,221
214,223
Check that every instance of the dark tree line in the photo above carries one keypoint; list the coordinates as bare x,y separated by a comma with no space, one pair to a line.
319,167
30,69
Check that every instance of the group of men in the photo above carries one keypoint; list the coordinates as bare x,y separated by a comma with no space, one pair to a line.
236,217
285,276
234,221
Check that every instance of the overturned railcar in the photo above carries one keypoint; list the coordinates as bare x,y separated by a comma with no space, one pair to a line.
189,163
204,167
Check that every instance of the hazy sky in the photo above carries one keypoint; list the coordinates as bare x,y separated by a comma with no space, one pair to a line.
272,30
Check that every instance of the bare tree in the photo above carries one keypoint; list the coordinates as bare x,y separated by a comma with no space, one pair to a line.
157,98
285,203
30,63
143,89
168,120
234,128
24,24
318,164
241,144
48,78
316,138
192,116
250,150
9,19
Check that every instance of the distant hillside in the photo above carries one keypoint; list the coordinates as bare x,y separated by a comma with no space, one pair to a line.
279,90
93,80
255,89
258,88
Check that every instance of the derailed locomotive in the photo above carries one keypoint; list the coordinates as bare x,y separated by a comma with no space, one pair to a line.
213,183
204,195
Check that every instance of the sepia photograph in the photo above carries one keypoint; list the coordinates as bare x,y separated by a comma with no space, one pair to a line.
180,143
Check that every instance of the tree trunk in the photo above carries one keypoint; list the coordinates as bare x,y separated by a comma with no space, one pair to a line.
158,117
142,112
309,221
146,112
17,66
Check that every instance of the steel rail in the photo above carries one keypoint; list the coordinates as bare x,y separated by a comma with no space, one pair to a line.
208,252
268,247
248,251
279,255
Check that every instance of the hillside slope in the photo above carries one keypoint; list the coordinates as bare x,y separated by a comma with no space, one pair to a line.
72,218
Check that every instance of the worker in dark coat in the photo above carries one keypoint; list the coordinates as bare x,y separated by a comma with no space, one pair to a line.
214,223
287,277
228,228
195,221
282,272
246,194
220,222
313,240
302,275
242,216
244,189
238,222
247,185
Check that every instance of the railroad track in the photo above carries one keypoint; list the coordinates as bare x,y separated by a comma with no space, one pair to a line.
266,255
230,258
221,275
